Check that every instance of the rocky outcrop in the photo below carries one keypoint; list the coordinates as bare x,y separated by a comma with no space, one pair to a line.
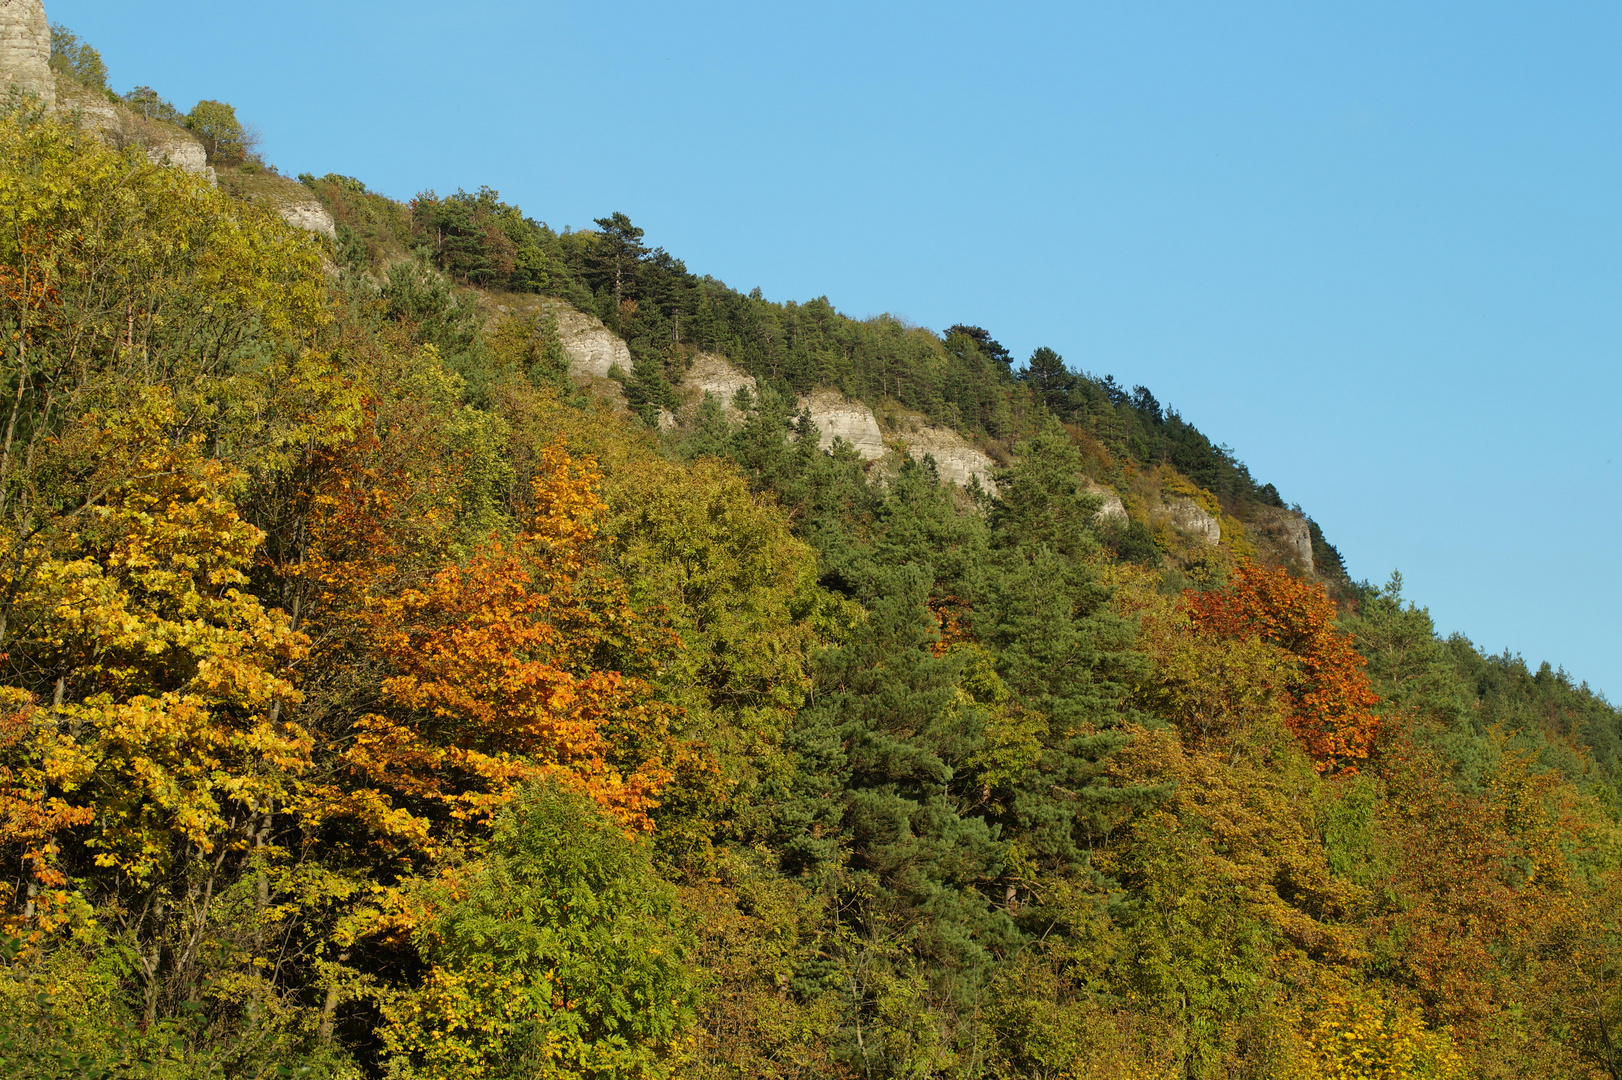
713,375
957,460
309,214
25,49
1298,538
178,150
25,62
837,417
1191,518
1284,535
92,110
163,144
592,348
287,199
1113,507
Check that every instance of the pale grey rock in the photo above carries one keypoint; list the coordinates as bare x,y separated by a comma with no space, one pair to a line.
91,109
1283,534
309,215
1187,515
1113,507
711,374
592,348
957,460
839,418
179,151
1298,537
118,126
25,50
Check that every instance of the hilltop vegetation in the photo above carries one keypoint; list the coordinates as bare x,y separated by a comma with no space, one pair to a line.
376,703
962,378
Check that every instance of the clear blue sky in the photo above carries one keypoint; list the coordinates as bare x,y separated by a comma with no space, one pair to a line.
1376,248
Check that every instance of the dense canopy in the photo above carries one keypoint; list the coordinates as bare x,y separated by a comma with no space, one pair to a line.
376,702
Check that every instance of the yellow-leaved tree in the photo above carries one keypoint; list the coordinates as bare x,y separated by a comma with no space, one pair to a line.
149,734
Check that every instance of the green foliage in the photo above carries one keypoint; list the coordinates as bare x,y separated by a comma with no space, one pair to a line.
77,59
559,954
429,310
147,102
894,732
320,590
224,138
1461,695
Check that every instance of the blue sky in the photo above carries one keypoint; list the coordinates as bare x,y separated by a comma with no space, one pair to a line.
1376,248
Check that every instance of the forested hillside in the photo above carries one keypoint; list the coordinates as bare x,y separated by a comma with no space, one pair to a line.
962,377
379,701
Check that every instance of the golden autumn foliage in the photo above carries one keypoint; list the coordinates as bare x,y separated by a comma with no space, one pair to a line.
163,725
1358,1037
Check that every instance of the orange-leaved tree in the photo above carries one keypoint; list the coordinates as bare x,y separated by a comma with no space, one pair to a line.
1330,701
493,678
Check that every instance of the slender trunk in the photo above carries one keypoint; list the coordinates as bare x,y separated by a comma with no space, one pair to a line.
16,411
261,898
149,966
201,901
329,1006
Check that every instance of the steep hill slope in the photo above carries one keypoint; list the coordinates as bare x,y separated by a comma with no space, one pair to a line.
445,647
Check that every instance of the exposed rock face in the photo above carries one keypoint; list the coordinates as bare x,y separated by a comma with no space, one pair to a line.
838,418
956,459
1113,507
25,49
179,151
91,107
711,374
287,199
1187,515
1299,537
309,215
1284,534
591,346
164,144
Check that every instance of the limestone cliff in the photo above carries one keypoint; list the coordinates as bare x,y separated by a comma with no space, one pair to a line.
1113,506
25,62
713,375
957,460
25,56
837,417
592,347
1189,516
1284,536
163,144
288,199
25,49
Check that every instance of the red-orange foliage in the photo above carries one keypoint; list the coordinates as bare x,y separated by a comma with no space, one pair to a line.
493,677
952,613
1330,699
